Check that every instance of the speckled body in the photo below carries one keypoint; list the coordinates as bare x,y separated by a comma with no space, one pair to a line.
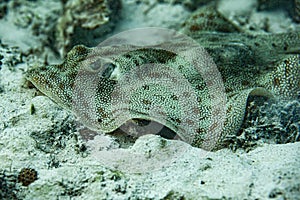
259,65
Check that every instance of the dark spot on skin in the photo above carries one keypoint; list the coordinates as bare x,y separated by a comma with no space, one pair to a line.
43,68
195,28
202,118
186,94
225,123
213,126
136,62
99,120
61,86
211,16
104,115
200,130
177,120
146,102
190,122
276,81
199,99
245,83
146,87
200,87
229,109
173,107
174,97
251,28
287,71
180,67
100,110
195,111
287,62
127,56
231,95
201,15
228,89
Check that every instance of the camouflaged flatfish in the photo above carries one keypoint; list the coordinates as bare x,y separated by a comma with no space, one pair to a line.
262,65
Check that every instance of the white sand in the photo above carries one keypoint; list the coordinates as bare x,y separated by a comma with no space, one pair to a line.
152,169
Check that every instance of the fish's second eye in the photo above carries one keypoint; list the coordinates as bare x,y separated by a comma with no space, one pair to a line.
96,65
108,69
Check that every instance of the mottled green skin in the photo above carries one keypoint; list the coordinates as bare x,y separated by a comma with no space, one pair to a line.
249,65
71,85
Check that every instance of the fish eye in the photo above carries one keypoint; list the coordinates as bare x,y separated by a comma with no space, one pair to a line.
96,64
108,69
105,68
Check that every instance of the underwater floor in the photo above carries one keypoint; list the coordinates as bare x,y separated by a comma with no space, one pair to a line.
47,147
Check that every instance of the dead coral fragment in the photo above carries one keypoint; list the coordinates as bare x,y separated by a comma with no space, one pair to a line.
27,176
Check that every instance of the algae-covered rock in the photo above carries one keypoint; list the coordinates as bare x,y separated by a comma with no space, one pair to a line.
83,21
29,24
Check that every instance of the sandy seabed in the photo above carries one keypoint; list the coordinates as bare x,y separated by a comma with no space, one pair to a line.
38,134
